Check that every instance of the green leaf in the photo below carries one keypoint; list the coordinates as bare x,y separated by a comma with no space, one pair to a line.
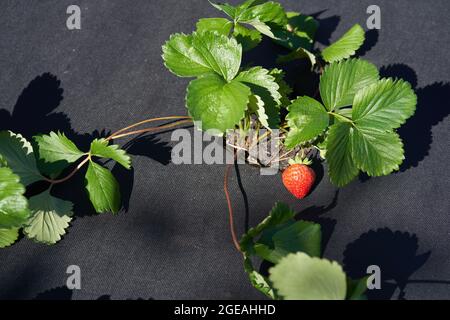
280,213
285,90
220,25
50,218
299,53
103,189
341,168
57,147
248,38
376,153
256,106
13,205
300,236
307,119
218,104
266,12
17,152
346,46
101,148
264,85
300,277
356,289
229,10
201,53
8,237
384,105
341,81
298,33
257,280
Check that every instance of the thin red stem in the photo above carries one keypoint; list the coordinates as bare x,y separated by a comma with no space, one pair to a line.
230,208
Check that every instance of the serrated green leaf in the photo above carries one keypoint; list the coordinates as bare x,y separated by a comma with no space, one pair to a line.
376,153
301,277
384,105
264,85
299,53
341,168
202,53
300,236
256,106
285,90
13,205
258,280
248,38
263,12
56,147
50,218
298,33
18,154
220,25
346,46
280,213
103,189
307,119
101,148
8,237
341,81
218,104
229,10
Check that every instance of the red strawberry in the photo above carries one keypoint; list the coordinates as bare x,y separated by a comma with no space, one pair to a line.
299,179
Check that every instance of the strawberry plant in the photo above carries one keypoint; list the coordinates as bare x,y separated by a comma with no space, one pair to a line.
350,123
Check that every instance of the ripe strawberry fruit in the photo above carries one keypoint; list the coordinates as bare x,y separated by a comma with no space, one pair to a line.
299,178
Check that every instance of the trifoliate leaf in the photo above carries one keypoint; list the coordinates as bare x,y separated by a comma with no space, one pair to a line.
258,280
8,237
256,106
13,205
292,237
248,38
342,80
300,277
376,153
50,218
346,46
299,53
298,33
384,105
103,189
218,104
341,167
201,53
101,148
229,10
220,25
264,85
307,119
56,147
18,154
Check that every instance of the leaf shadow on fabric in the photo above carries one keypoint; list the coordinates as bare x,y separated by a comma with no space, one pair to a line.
370,42
326,27
63,293
35,112
395,253
432,108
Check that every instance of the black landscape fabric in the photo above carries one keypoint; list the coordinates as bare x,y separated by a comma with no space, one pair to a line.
171,240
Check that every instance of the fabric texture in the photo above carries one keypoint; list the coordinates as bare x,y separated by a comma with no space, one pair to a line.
172,241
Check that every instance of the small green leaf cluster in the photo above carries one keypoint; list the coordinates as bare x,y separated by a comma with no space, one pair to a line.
353,121
44,218
294,249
